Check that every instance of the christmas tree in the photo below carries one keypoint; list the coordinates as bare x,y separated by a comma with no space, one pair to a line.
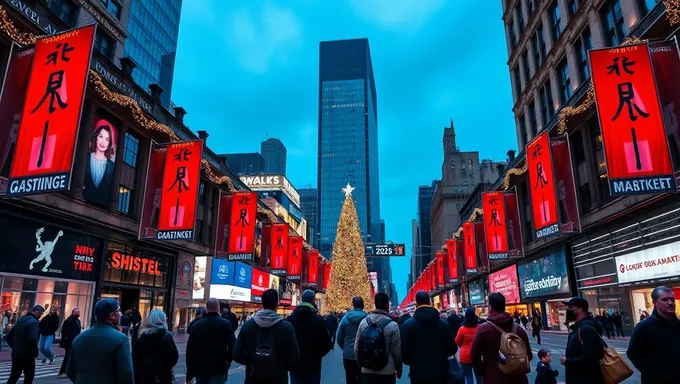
349,276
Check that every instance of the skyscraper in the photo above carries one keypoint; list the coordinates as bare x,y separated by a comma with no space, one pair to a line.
424,249
308,205
153,27
274,153
245,163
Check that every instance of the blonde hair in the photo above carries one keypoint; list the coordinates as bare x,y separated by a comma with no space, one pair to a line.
155,322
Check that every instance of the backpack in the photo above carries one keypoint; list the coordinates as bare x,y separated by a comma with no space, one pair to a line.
372,351
265,364
613,367
513,358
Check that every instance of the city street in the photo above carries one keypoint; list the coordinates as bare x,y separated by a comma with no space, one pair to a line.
333,372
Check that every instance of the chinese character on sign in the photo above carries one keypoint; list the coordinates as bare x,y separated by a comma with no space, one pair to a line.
243,202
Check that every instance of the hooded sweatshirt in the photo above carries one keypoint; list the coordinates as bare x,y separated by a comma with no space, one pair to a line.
347,332
392,343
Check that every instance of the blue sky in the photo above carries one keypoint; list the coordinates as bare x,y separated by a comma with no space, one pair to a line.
248,70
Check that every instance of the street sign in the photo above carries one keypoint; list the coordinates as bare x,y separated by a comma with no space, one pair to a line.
385,250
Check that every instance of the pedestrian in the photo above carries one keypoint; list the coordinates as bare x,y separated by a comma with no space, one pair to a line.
155,353
228,315
545,374
267,345
125,322
608,324
49,325
536,327
455,322
643,315
464,338
618,323
69,330
378,345
210,347
101,354
313,340
517,318
655,343
23,339
3,328
584,345
525,321
200,312
426,343
135,323
346,337
332,326
490,343
403,318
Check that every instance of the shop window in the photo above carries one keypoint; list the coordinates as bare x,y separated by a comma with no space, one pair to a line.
615,26
65,9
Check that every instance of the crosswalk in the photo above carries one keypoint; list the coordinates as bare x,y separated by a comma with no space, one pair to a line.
41,370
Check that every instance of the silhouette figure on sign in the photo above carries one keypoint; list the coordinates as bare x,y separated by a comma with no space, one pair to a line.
45,249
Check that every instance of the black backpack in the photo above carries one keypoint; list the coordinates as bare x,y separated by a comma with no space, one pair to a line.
372,352
265,364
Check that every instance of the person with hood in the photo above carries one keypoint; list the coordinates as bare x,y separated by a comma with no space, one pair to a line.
210,346
585,347
200,312
346,336
23,339
313,340
332,325
155,353
267,330
228,315
49,325
381,317
464,339
655,343
426,343
69,330
487,342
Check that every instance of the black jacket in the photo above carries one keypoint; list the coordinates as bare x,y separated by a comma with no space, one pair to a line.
49,325
312,336
231,318
69,330
654,349
24,337
194,321
545,374
210,347
154,356
426,343
332,323
125,321
583,356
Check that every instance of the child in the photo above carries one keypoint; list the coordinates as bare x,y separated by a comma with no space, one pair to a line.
544,372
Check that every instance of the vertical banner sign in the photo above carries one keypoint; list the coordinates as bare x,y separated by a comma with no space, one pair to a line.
326,274
452,260
242,226
482,258
566,186
470,247
515,241
265,248
495,225
635,145
11,103
542,186
433,276
43,158
152,193
222,227
313,265
278,256
666,64
294,268
440,269
179,197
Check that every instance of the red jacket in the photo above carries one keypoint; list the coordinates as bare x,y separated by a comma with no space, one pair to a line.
464,340
485,348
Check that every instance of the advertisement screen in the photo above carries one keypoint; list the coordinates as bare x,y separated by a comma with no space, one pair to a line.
243,275
545,276
222,272
229,292
476,292
100,162
505,283
294,268
199,278
260,283
542,187
495,226
649,264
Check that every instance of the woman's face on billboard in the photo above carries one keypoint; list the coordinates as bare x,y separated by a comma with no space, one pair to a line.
103,141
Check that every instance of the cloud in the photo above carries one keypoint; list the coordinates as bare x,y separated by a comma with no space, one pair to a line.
396,15
269,35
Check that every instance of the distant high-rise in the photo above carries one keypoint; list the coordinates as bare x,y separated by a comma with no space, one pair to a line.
382,230
274,153
245,164
308,205
424,249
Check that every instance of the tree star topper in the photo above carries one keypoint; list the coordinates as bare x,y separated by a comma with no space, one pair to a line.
348,190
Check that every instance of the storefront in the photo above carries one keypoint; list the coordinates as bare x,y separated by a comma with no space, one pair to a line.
478,297
505,282
183,306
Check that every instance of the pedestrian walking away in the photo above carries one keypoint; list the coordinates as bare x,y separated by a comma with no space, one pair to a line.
23,339
3,327
584,346
125,322
536,323
101,354
346,337
464,339
49,325
200,312
618,323
155,353
228,315
332,325
69,330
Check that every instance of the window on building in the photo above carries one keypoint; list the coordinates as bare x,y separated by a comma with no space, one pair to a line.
548,107
648,5
104,44
530,7
601,164
580,57
538,58
523,130
130,150
572,7
519,17
615,26
533,126
518,81
65,9
124,199
585,46
527,69
511,35
112,7
565,81
202,195
555,20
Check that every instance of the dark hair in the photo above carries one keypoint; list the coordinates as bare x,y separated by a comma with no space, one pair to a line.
658,291
357,302
471,319
497,302
382,302
270,299
543,353
227,306
422,298
103,125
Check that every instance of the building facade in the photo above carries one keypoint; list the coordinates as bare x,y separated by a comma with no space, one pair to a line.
308,203
245,164
423,251
274,153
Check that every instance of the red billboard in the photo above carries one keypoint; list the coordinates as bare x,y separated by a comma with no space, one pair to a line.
515,241
294,268
452,260
570,221
470,247
313,268
326,273
542,187
43,158
633,133
152,193
222,227
666,64
179,196
482,258
242,223
505,283
440,269
495,225
278,249
259,284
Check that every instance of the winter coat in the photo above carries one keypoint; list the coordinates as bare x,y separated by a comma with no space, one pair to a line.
582,365
487,344
154,356
332,323
69,330
210,347
194,321
426,343
464,340
455,323
100,355
654,348
231,318
285,344
392,343
312,337
24,337
49,325
347,332
545,374
125,321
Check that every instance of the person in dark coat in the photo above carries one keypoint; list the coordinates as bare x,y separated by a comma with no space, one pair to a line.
426,343
155,353
487,343
285,347
200,312
655,343
49,325
403,318
584,346
455,322
536,322
135,323
313,340
332,326
23,339
618,323
210,347
228,315
125,322
69,330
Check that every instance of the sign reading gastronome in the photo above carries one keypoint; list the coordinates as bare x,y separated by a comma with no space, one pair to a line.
385,249
545,276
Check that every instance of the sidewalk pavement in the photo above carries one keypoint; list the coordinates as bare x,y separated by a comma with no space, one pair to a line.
567,332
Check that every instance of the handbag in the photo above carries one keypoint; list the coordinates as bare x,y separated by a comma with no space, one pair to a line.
456,374
613,367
